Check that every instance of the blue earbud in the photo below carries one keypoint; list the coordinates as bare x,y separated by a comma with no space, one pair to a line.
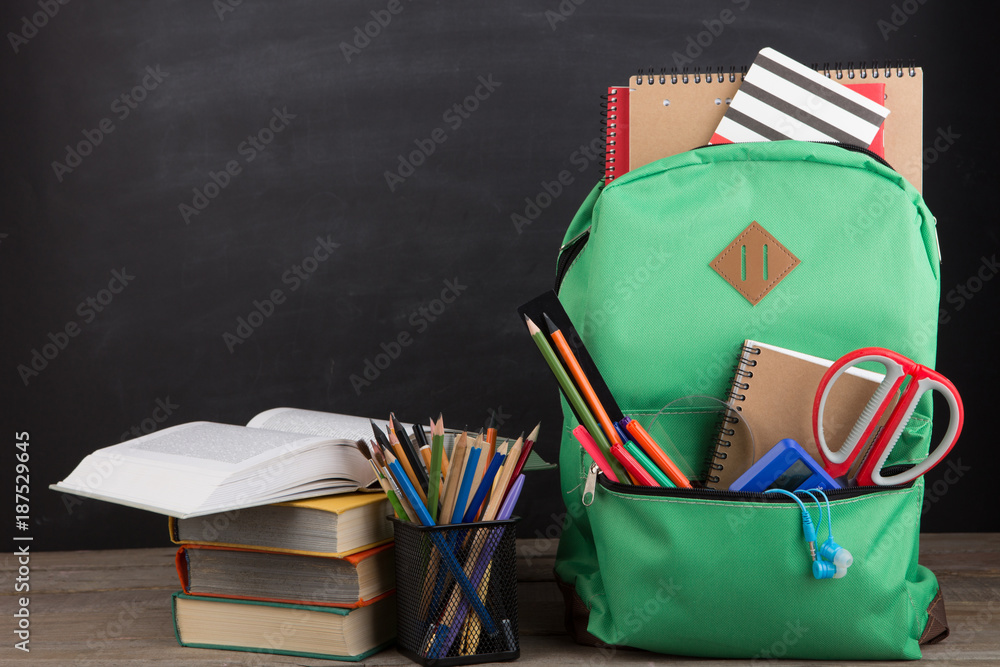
834,556
830,550
832,560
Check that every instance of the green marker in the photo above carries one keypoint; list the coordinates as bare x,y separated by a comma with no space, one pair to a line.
647,463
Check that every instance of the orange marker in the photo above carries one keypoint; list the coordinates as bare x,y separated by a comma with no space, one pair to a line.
575,370
654,452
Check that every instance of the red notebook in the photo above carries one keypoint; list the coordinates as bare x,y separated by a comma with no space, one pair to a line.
616,134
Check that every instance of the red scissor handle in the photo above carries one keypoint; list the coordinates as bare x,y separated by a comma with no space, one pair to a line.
898,368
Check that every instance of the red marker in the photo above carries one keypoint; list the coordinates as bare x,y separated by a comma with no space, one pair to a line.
636,471
588,443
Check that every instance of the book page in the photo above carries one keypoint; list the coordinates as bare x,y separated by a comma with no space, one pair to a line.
313,422
206,448
191,468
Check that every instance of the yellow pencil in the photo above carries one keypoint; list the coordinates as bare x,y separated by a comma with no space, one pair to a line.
453,478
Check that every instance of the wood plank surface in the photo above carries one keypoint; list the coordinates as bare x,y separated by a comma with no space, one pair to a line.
110,608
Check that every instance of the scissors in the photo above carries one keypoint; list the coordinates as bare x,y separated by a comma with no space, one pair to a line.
898,369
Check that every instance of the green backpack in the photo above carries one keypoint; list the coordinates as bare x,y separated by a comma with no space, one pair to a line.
718,573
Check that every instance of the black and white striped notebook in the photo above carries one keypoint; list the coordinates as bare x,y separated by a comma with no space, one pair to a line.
783,99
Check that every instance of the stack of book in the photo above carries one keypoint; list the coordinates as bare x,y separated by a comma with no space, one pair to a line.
309,578
282,550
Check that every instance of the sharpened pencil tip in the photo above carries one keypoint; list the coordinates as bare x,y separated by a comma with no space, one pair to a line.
550,324
532,327
533,436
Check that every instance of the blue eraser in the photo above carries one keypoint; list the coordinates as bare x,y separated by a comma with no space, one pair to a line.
785,466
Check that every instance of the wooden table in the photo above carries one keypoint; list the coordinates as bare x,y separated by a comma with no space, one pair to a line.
108,608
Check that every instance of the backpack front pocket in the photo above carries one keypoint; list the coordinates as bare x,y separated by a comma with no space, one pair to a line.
725,574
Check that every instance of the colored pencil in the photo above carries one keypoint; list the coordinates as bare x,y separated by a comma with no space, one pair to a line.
525,451
481,466
491,433
484,486
389,493
399,451
408,510
434,470
444,454
380,436
420,436
454,477
586,389
496,500
572,395
411,453
424,448
482,558
443,547
467,478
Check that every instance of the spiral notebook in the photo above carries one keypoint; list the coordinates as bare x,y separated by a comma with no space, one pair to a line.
669,113
616,126
773,389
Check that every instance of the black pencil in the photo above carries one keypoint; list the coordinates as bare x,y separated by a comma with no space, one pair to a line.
411,453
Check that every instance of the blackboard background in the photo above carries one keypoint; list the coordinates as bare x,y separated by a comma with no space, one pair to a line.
161,338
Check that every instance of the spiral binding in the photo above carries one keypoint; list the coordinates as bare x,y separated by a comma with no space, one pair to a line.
886,71
837,71
720,440
694,76
609,117
603,155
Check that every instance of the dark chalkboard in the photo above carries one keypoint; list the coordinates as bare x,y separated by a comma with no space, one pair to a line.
213,208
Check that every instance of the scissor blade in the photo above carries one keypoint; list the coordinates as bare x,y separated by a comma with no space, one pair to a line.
852,473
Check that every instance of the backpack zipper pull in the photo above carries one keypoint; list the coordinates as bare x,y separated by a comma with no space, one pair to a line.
590,485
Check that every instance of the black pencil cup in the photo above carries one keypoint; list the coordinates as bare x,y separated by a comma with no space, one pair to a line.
456,592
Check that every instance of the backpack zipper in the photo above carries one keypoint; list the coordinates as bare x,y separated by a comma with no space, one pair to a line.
567,253
569,250
594,477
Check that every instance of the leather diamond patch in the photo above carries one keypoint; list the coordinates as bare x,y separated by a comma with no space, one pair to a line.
754,263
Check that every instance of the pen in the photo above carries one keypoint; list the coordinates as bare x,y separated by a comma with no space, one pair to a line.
654,452
595,452
639,476
648,465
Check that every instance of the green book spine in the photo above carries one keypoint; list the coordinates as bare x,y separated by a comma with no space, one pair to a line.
252,649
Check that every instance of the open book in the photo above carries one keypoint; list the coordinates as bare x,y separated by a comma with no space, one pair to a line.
203,468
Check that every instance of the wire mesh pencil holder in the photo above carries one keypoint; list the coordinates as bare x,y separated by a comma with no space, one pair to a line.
456,592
